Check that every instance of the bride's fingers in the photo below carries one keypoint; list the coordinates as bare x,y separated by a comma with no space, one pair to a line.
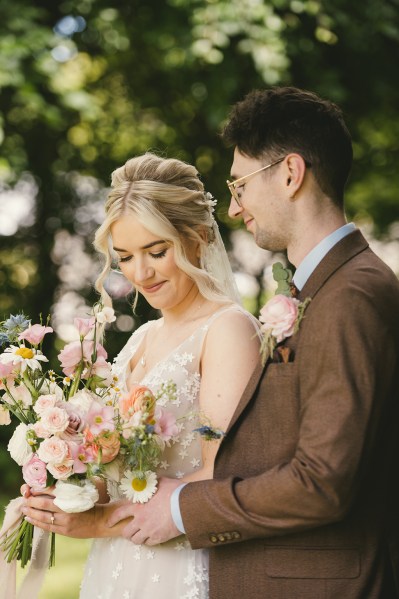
25,490
41,502
45,520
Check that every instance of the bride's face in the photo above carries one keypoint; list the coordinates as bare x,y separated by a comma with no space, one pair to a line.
148,262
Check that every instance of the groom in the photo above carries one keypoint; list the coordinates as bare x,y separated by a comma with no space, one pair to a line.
304,501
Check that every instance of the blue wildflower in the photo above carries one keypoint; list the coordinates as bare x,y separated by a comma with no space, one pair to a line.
4,340
14,325
209,433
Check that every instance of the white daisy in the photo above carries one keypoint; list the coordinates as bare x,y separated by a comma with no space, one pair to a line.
24,356
138,486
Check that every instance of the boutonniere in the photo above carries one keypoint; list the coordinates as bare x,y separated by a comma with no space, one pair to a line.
280,316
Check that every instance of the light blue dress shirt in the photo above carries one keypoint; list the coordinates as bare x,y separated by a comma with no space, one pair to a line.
302,273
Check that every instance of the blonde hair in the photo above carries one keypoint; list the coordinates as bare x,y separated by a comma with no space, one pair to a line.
168,198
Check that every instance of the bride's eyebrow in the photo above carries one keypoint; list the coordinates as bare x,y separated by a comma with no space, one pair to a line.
145,247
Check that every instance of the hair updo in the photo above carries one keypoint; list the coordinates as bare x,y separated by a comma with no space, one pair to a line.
168,198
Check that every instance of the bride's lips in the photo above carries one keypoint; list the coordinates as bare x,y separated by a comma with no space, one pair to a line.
153,288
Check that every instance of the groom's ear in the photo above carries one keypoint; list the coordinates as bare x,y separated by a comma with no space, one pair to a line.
295,173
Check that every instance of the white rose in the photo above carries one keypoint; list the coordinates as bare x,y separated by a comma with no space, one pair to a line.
4,415
74,498
82,400
18,447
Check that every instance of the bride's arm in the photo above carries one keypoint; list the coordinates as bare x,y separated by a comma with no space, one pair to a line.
230,354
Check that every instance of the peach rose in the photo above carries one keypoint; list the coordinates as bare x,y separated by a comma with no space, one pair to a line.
109,444
61,471
278,316
139,399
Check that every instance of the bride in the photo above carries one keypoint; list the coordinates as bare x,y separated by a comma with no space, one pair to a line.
160,227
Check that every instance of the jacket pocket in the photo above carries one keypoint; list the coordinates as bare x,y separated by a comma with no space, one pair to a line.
289,562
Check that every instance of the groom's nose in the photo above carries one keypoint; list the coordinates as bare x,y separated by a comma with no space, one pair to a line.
235,211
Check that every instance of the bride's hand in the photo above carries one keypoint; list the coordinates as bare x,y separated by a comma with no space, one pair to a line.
27,491
41,512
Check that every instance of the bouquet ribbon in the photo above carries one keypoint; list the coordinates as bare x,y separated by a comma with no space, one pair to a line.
33,580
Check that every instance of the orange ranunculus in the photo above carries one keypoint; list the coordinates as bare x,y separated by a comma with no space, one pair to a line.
109,444
139,399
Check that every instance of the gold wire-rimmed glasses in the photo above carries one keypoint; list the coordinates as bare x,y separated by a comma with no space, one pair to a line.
233,185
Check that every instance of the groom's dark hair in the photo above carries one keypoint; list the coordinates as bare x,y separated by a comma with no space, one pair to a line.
271,123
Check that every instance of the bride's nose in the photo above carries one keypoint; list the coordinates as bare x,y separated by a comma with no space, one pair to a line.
143,271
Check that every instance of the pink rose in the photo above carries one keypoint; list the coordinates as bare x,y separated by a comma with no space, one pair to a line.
34,472
44,402
54,420
40,431
279,315
53,450
165,424
35,333
84,325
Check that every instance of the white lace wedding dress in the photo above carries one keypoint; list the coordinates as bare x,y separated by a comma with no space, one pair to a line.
118,569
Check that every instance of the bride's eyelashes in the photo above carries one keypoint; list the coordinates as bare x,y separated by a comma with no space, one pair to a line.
157,255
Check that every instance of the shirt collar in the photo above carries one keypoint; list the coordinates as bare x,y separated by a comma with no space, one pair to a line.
316,255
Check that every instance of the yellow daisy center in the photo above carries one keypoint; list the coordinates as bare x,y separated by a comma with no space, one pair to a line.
25,353
139,484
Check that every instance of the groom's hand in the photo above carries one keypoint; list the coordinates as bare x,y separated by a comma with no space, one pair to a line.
152,521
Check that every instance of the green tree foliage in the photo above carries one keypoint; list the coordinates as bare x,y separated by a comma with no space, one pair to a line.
85,84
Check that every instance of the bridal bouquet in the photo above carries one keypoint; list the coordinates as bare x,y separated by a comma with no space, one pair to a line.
146,429
67,427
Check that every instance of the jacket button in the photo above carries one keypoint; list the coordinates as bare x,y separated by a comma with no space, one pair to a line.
213,538
236,535
221,538
228,536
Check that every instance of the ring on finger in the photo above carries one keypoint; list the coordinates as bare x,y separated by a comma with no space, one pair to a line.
52,519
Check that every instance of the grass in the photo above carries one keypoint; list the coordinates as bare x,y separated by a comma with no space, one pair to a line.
63,580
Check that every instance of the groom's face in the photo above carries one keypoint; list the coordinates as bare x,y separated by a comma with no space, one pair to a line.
262,199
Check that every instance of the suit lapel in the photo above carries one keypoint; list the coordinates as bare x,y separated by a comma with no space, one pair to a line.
344,250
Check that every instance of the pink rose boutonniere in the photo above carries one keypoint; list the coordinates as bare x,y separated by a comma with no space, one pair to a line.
280,316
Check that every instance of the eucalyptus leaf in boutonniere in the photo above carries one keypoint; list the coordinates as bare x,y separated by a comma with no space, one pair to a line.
280,316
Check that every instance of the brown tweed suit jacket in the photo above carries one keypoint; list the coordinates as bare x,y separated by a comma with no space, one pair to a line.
304,504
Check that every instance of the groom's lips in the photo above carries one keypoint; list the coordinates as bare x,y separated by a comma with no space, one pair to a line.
248,221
